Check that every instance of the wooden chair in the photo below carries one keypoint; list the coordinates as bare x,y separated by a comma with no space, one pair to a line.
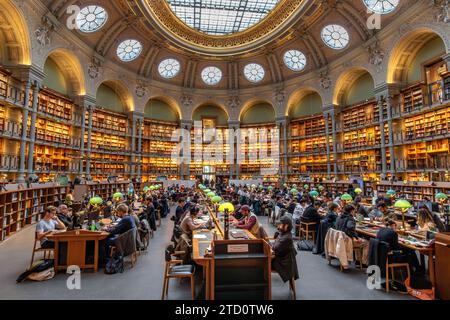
37,248
158,217
360,252
307,229
128,237
176,269
391,266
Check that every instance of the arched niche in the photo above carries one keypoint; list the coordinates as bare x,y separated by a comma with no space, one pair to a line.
307,104
211,111
354,86
159,109
113,95
258,113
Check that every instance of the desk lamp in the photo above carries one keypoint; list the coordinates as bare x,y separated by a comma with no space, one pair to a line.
226,207
403,205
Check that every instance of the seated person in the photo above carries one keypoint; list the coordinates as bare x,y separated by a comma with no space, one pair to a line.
108,210
249,221
390,236
332,214
429,220
125,223
311,213
284,261
65,216
47,226
189,223
299,210
382,213
179,211
347,223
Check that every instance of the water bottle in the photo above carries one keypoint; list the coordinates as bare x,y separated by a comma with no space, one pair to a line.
93,226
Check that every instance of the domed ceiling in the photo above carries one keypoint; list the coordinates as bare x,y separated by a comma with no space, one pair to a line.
225,44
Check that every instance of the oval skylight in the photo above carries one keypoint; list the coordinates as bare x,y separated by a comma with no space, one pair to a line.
211,75
295,60
169,68
254,72
129,50
381,6
221,17
335,36
91,18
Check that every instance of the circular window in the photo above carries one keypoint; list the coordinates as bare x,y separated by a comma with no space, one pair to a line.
211,75
335,36
169,68
381,6
295,60
129,50
254,72
91,18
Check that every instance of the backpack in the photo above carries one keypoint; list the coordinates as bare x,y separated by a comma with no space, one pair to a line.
305,245
114,264
43,275
38,267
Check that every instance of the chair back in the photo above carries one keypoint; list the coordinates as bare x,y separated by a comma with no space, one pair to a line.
378,254
126,242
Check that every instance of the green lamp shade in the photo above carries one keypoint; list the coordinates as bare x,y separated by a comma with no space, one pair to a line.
294,186
95,201
294,191
226,205
306,187
211,194
146,189
216,199
314,194
207,191
402,204
261,186
346,197
358,190
270,187
152,188
441,196
321,187
391,192
118,195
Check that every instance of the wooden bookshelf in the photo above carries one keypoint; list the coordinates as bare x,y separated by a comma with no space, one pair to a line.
2,119
432,155
50,159
429,124
360,162
55,104
446,88
4,83
53,132
107,120
364,138
413,98
414,191
102,189
107,142
157,136
306,127
23,207
103,165
359,115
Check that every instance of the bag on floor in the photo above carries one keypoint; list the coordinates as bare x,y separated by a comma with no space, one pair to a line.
305,245
43,275
39,266
114,264
420,287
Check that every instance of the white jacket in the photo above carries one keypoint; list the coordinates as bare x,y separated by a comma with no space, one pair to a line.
340,246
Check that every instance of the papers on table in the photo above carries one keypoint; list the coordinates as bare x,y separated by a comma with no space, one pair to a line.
200,236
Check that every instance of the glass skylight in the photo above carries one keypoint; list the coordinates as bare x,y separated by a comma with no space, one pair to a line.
381,6
335,36
211,75
129,50
169,68
294,60
221,17
91,18
254,72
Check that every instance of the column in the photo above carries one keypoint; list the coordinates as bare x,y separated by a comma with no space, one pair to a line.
380,103
33,129
233,127
331,114
391,135
83,132
282,124
327,133
140,123
185,171
133,144
90,109
23,140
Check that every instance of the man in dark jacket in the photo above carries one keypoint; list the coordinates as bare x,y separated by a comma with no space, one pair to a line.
311,213
179,211
285,262
149,213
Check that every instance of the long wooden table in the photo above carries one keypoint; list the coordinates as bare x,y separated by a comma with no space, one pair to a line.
370,230
76,247
200,246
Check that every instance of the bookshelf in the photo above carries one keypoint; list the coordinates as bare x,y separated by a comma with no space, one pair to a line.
3,83
53,132
414,191
2,118
54,104
413,98
107,120
101,141
359,115
429,124
307,127
20,208
311,164
103,165
360,162
432,155
102,189
447,87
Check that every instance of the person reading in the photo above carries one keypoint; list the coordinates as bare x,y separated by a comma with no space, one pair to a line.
249,221
48,225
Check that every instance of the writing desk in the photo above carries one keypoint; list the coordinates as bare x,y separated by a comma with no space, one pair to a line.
371,230
76,247
200,245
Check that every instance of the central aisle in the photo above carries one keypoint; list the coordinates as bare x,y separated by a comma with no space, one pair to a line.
317,280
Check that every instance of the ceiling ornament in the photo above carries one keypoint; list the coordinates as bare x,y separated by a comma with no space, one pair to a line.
233,101
141,88
325,81
43,36
94,67
443,10
186,101
160,15
376,55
